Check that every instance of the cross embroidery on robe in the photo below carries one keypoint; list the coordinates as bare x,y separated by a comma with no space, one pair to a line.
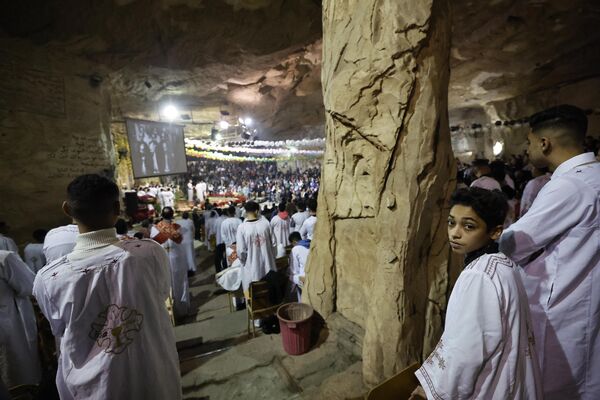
115,328
436,355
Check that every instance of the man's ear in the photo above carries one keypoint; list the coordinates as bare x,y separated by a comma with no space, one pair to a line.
67,209
496,232
545,144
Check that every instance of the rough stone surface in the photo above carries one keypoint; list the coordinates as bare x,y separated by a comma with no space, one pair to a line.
380,253
53,126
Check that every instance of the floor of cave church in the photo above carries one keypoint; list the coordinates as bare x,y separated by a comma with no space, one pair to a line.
219,361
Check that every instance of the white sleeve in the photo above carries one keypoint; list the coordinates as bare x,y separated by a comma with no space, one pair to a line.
304,231
18,275
557,209
240,248
472,335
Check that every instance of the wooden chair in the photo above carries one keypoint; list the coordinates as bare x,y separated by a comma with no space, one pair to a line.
259,304
398,387
234,294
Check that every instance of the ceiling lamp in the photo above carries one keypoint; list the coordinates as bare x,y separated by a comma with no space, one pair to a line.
170,112
223,124
248,121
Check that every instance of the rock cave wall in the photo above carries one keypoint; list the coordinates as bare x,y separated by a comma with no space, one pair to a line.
380,256
54,125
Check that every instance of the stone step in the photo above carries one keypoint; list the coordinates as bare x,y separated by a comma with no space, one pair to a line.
216,328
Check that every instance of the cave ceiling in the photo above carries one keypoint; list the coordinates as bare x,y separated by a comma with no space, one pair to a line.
224,59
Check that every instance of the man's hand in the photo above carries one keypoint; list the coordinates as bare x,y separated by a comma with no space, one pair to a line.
418,394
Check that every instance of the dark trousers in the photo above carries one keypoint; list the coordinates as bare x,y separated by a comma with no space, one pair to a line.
220,258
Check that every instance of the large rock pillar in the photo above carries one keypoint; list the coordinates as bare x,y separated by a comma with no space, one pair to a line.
379,255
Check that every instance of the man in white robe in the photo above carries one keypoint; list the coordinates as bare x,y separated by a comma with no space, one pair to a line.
106,299
187,232
60,241
230,226
484,179
557,243
532,189
7,243
201,191
190,192
298,258
220,258
255,247
34,252
169,198
308,227
210,218
19,361
299,217
486,351
280,226
169,235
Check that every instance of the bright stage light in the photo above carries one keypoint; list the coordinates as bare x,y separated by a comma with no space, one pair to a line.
218,136
224,124
248,121
498,147
293,149
170,112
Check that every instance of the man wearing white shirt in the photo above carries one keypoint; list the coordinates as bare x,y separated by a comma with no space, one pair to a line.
19,361
190,191
201,191
7,243
306,231
230,226
255,247
106,300
169,198
34,252
280,227
299,217
298,258
557,243
484,179
188,231
60,242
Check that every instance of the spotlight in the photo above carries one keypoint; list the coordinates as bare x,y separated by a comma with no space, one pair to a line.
170,112
248,121
218,136
223,124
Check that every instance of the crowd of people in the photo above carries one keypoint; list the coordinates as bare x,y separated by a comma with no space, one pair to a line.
523,319
261,180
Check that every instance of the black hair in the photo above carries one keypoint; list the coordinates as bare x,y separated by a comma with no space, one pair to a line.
301,205
231,211
185,215
138,235
121,226
312,205
282,206
91,197
219,212
490,205
168,213
498,170
295,237
251,206
570,120
146,223
39,235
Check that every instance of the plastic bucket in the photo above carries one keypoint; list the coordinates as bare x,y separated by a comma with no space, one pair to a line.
295,323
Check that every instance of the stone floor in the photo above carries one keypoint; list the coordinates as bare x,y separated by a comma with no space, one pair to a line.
220,361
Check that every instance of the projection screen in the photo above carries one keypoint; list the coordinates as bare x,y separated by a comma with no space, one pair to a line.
156,148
